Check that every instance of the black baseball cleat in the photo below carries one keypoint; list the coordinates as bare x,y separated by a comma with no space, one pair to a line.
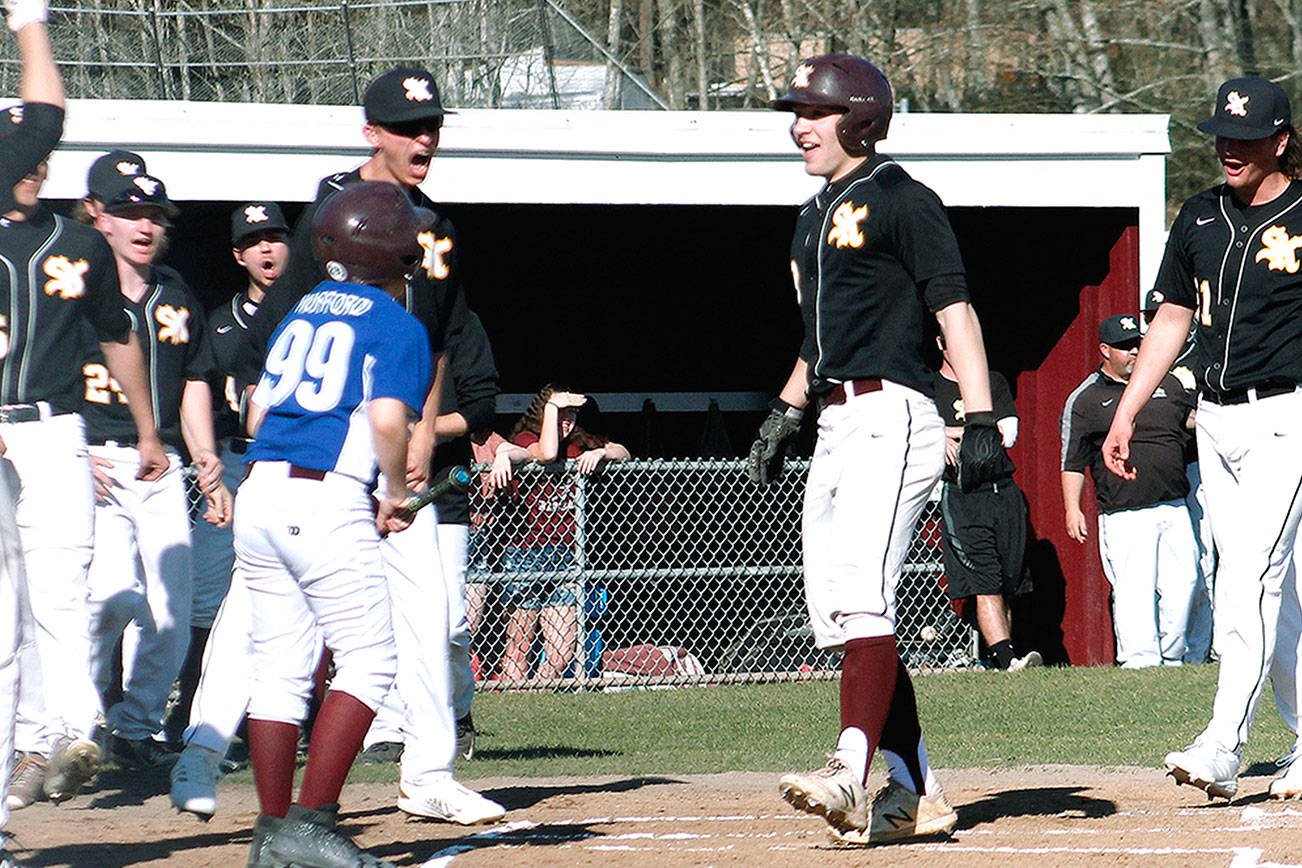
306,838
263,829
142,753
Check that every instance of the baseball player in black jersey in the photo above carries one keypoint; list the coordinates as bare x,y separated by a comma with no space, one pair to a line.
873,255
1231,268
468,405
985,529
404,116
141,571
1146,539
59,281
1198,637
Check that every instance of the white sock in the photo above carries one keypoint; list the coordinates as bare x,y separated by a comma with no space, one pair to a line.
852,749
900,771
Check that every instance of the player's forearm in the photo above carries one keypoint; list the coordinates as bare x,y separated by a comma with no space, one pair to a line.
1073,484
967,353
40,81
1161,345
389,426
449,426
127,365
549,438
515,454
616,452
196,418
794,392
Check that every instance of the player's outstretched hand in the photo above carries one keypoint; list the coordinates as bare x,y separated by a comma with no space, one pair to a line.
98,470
563,400
765,460
20,13
979,451
1116,448
221,506
153,460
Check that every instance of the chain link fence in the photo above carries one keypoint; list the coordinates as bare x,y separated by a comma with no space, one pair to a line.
687,574
668,572
483,53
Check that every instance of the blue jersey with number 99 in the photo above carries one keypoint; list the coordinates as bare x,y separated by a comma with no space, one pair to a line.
342,345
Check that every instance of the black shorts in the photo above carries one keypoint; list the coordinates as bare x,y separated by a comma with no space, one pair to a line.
985,540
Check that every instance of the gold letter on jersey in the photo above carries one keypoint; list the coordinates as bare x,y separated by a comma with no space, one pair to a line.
175,324
1279,250
845,225
67,279
436,251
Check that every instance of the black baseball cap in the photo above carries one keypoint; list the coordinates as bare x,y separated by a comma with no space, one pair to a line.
1153,300
138,191
112,173
1249,108
402,95
1120,331
256,217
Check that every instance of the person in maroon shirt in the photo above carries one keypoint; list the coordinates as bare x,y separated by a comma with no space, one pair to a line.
547,432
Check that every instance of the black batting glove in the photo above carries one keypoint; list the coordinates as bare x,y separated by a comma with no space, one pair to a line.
765,461
979,452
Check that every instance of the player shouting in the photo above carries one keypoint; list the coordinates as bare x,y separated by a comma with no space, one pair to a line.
873,253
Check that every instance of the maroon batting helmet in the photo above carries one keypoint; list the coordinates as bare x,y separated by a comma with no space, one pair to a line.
848,84
367,233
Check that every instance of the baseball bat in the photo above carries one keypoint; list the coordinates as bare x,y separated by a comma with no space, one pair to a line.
458,479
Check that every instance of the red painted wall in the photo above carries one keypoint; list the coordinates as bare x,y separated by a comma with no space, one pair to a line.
1085,619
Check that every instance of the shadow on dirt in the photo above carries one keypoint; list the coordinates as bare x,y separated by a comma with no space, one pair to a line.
537,753
1034,802
514,798
103,855
119,786
544,835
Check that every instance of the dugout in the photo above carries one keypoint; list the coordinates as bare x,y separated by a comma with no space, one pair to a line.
643,255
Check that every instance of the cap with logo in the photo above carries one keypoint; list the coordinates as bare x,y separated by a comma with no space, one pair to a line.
401,95
256,217
1153,300
139,191
112,173
1119,330
1249,108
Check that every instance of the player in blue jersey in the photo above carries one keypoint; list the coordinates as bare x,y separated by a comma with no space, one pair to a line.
347,372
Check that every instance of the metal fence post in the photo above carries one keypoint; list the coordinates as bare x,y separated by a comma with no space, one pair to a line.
352,58
581,565
158,51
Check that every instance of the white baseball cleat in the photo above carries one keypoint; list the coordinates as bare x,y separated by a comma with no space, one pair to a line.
449,801
1289,784
833,792
194,781
899,814
1030,660
1208,767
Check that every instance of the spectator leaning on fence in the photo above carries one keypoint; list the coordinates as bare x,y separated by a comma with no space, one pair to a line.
985,528
1146,538
545,541
142,568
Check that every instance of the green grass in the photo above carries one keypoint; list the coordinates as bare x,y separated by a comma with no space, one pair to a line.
1093,716
1096,716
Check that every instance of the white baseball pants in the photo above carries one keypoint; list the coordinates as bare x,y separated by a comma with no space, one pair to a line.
1150,557
309,554
1251,459
141,573
56,524
1198,637
16,625
877,459
421,630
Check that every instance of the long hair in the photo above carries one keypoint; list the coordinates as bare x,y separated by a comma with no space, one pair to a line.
1290,162
533,417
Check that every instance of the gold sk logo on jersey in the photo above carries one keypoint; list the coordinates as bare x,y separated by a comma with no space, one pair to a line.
845,225
175,324
436,251
1279,250
959,412
67,278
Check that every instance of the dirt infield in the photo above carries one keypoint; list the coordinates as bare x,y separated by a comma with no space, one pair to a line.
1047,815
